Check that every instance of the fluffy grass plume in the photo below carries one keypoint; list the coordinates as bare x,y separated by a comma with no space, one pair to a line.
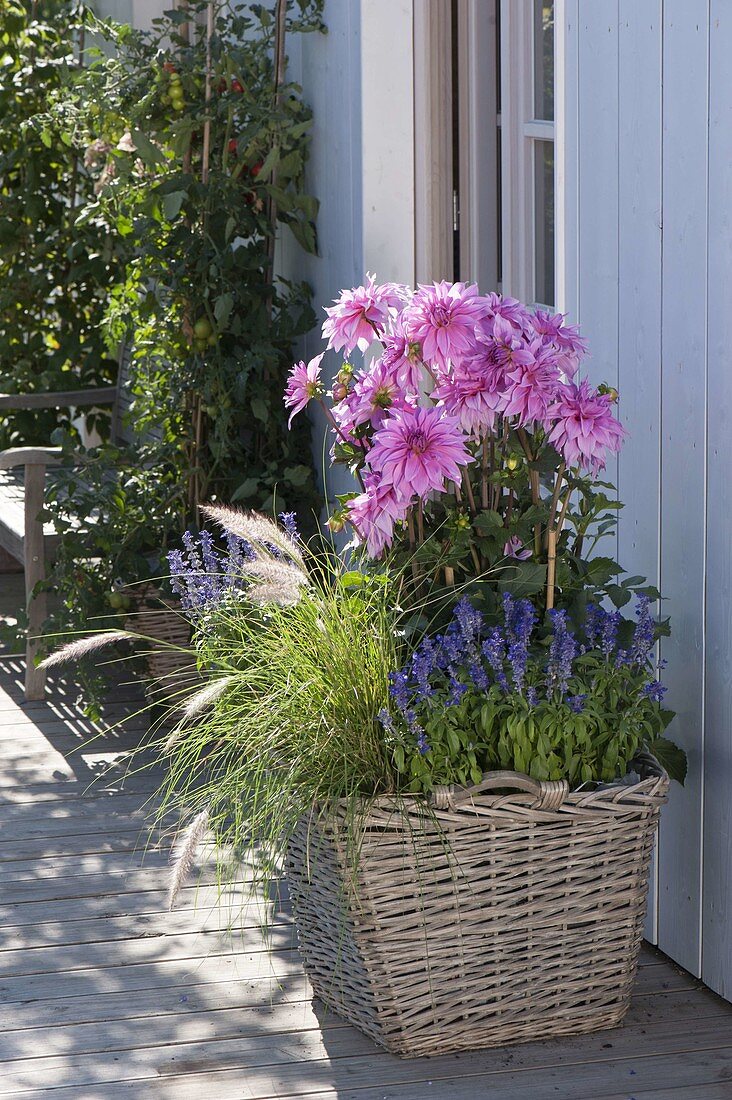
82,647
256,529
297,725
184,854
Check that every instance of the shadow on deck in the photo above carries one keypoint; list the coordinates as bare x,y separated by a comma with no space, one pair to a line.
105,994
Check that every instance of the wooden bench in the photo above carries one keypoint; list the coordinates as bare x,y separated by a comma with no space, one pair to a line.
22,481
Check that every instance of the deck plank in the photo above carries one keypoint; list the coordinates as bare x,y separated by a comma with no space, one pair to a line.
103,994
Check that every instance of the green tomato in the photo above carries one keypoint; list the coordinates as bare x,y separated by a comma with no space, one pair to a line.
200,346
115,600
165,99
202,328
213,340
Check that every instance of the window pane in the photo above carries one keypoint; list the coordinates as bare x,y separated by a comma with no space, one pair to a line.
544,222
544,59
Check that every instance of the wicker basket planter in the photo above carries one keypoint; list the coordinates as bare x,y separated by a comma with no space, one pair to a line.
495,918
159,619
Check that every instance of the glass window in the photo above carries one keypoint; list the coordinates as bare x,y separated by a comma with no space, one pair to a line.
544,222
544,60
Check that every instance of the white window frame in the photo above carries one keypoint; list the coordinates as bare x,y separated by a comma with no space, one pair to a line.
520,131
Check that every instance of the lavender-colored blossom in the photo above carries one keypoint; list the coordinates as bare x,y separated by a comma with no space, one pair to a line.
201,576
519,617
478,675
289,523
302,385
494,651
424,662
562,652
469,621
576,703
400,690
357,315
654,691
457,690
532,697
609,633
644,635
594,621
386,720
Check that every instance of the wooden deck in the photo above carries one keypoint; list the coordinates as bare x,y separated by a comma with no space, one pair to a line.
103,994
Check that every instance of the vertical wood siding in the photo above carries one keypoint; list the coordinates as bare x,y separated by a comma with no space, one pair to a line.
717,820
649,85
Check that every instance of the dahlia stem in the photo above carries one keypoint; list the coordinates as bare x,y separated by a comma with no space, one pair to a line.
484,475
563,513
469,492
420,522
534,482
334,425
412,543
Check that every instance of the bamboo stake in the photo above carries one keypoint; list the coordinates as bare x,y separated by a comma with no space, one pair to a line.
555,498
280,60
449,576
207,122
551,567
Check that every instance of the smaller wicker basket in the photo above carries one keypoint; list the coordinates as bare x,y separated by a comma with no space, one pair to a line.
487,919
170,669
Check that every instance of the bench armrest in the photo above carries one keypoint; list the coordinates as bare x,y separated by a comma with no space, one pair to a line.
100,395
29,456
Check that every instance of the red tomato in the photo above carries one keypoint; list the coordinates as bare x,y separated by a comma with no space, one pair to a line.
236,85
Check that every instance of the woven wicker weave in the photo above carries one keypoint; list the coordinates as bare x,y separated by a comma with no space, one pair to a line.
491,919
170,669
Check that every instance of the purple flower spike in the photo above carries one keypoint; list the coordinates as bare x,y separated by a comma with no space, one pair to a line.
562,653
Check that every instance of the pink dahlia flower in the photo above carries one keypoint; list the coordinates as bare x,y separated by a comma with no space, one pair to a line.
585,428
416,450
357,315
514,548
503,345
374,514
302,385
571,347
531,387
375,392
402,355
475,394
510,309
442,318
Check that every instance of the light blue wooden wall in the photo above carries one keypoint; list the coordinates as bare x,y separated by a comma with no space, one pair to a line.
649,94
329,69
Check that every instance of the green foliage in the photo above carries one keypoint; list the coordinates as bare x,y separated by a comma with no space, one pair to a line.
193,184
53,272
490,730
296,726
195,153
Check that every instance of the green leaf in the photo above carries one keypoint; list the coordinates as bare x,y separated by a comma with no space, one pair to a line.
260,409
172,203
522,578
149,154
670,757
247,489
222,309
297,475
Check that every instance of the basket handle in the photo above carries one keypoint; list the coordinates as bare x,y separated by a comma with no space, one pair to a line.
549,794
